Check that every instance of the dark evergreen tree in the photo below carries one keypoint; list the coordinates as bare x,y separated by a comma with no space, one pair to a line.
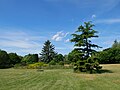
48,52
84,47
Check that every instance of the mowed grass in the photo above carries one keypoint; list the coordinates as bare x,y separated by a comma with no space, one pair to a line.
60,79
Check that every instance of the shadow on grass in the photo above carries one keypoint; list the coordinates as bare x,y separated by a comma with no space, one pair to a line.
105,71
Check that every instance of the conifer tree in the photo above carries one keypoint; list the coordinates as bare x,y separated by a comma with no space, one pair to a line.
82,39
48,52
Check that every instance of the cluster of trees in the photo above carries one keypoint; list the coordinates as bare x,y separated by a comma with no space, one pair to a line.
84,57
48,56
29,59
110,55
8,59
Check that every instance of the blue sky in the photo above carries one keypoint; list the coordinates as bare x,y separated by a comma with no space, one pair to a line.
26,24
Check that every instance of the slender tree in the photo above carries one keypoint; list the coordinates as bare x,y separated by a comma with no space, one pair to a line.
48,52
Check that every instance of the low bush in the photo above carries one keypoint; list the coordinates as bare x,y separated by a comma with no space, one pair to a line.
38,65
52,62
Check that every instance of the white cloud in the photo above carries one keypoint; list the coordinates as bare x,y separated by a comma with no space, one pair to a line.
59,36
93,16
68,40
108,21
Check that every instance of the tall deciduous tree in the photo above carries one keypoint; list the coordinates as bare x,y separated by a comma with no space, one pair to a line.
48,52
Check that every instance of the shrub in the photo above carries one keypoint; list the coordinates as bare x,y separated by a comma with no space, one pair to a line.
38,65
61,63
52,62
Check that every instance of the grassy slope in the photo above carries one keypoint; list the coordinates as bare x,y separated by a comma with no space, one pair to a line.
24,79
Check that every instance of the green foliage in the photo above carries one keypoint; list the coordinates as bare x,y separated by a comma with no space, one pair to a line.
14,58
48,52
52,62
82,39
30,58
116,44
37,65
90,65
58,58
82,54
110,56
66,61
75,55
61,63
4,59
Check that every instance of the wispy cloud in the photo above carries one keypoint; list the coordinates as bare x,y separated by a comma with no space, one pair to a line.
18,39
59,36
20,42
108,21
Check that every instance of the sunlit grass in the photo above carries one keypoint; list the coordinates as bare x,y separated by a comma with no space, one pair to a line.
59,79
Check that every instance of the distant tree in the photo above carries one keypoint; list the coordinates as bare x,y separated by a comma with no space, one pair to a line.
110,55
66,60
14,58
84,48
48,52
115,44
4,59
30,58
58,58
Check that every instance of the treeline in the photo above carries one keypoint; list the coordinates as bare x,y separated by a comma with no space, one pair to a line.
47,56
8,59
107,56
83,57
110,55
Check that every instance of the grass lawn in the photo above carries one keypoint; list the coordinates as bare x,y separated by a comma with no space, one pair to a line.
60,79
